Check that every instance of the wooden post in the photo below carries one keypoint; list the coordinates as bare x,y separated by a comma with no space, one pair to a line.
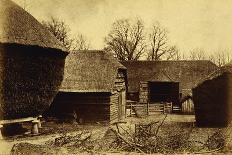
163,104
39,123
126,110
1,126
35,129
147,108
130,109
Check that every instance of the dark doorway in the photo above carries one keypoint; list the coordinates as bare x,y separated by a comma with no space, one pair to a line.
163,92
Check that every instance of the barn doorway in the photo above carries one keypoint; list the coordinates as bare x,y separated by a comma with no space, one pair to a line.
163,92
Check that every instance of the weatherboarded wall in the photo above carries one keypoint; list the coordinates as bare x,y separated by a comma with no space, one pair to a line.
143,92
114,107
118,99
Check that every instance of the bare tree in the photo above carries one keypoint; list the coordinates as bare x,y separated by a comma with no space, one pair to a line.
126,39
183,56
172,53
62,32
81,43
197,54
159,47
221,57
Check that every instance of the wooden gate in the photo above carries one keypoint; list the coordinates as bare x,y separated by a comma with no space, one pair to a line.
160,108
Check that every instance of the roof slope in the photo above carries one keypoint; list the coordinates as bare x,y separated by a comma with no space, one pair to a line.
90,71
224,69
18,26
187,72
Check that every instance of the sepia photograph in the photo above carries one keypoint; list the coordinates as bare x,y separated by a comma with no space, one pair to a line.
115,77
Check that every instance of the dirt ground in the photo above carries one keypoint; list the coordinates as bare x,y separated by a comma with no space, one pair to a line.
58,138
49,132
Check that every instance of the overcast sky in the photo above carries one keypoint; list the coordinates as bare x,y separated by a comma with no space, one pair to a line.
191,24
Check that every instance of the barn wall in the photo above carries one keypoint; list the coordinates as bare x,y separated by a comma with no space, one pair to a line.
88,107
118,98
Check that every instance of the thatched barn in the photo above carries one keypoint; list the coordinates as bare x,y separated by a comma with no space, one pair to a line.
31,64
94,88
212,98
165,81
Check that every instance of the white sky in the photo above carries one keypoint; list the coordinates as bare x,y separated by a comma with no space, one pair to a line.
191,24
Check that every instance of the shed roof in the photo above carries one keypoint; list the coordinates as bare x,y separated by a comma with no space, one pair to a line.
187,72
90,71
20,27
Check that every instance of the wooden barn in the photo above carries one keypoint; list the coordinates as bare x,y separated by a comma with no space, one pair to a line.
93,90
212,98
31,64
157,82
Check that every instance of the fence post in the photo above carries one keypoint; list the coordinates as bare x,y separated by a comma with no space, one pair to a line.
1,126
147,108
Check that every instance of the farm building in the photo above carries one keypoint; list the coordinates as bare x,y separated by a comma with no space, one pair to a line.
212,98
31,64
94,88
165,81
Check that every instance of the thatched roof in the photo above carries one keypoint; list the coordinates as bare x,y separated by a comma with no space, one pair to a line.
18,26
227,68
187,72
90,71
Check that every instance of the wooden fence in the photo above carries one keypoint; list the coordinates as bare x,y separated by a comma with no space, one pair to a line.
142,109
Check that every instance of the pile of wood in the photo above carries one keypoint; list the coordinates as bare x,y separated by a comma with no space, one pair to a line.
67,140
155,137
152,137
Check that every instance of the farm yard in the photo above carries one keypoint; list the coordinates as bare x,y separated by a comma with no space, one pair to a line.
159,133
134,95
